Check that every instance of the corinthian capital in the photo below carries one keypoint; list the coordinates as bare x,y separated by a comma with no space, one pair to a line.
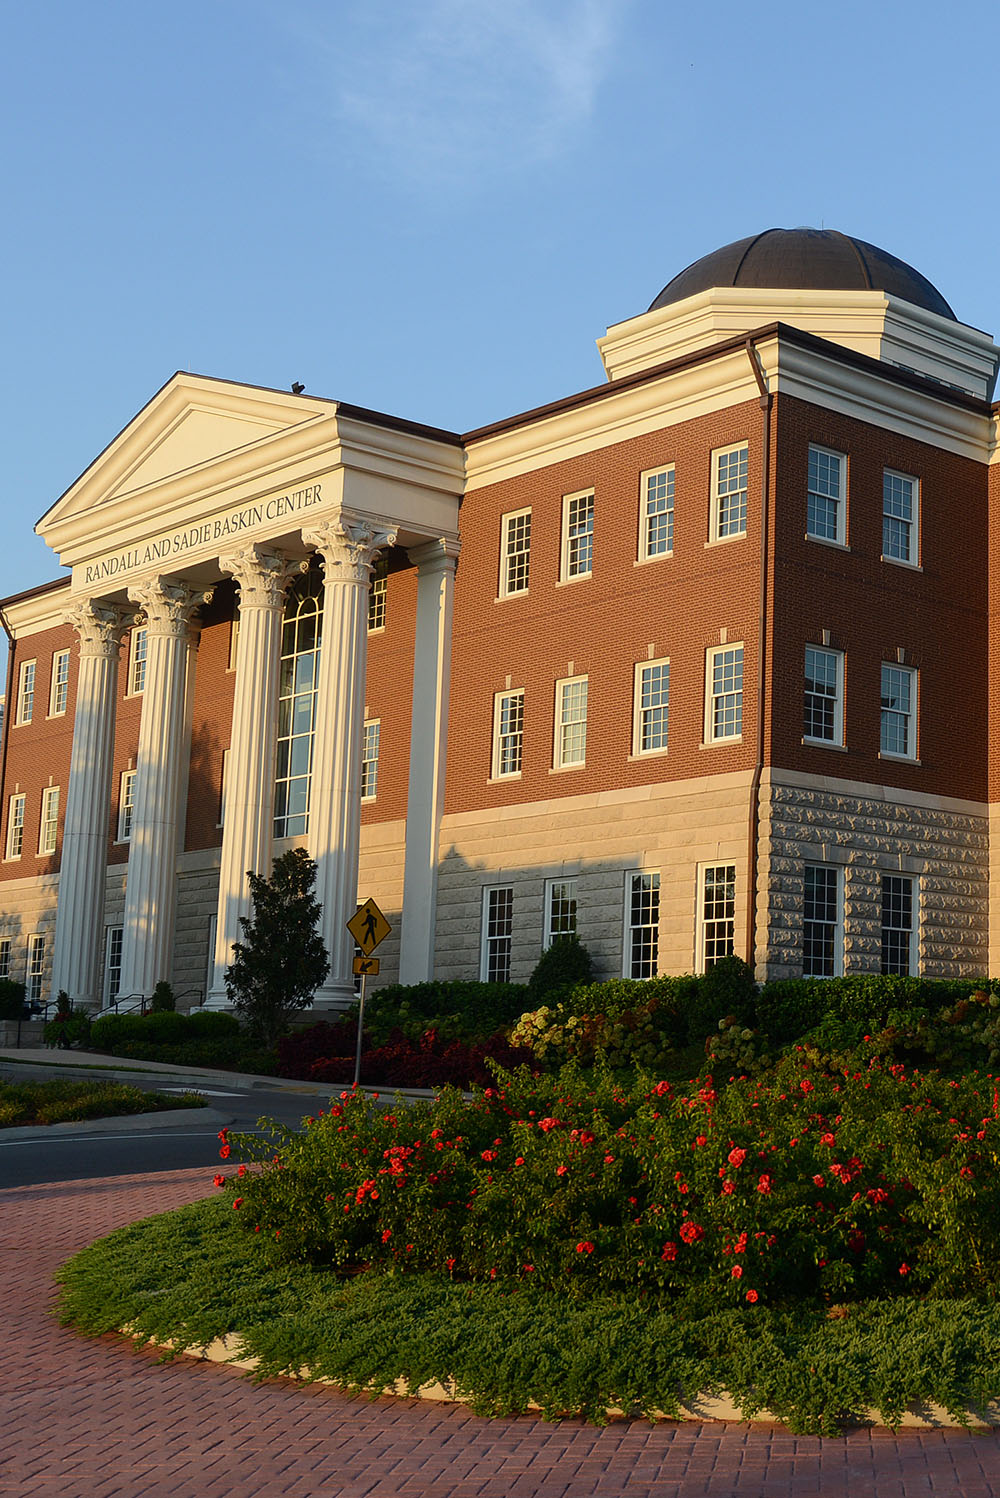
100,626
349,545
262,575
167,606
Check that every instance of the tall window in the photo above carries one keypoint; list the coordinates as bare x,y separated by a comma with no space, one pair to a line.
515,553
571,722
137,644
112,964
718,913
234,641
25,692
15,826
126,804
223,786
377,590
823,715
35,969
898,925
821,921
642,924
651,707
729,492
826,508
578,535
657,520
369,759
900,501
560,909
59,686
49,826
724,696
300,646
498,932
5,956
899,699
508,733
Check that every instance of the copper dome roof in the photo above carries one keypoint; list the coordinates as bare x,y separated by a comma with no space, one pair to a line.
805,260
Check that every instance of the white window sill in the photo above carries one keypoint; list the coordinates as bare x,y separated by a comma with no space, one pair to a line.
726,540
503,779
50,717
657,556
368,800
637,756
827,541
377,629
899,759
506,597
736,738
824,744
564,769
578,577
901,562
22,723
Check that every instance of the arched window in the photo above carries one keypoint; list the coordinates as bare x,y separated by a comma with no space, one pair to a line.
300,645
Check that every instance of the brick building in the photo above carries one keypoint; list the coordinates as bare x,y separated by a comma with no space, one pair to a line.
698,661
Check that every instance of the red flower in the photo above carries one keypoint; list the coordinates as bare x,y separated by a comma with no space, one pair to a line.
764,1185
585,1248
827,1139
237,1204
450,1264
904,1268
225,1152
241,1171
669,1251
818,1181
752,1297
700,1139
662,1088
561,1170
223,1134
691,1232
218,1180
736,1272
737,1156
519,1160
728,1188
386,1235
545,1124
488,1155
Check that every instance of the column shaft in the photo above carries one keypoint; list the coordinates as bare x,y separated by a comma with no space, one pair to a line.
249,823
428,742
348,547
151,888
76,959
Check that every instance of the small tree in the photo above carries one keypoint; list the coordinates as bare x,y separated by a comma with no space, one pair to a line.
281,961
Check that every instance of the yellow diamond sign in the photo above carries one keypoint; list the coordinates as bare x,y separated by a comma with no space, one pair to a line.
368,926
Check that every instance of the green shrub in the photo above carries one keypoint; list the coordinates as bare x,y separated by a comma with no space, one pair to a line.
147,1036
563,965
791,1007
726,990
12,1005
70,1027
624,1022
454,1010
163,998
206,1024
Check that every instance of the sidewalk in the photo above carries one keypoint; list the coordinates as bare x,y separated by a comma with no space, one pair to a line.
97,1418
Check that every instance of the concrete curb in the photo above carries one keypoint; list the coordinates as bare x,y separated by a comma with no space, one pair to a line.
122,1123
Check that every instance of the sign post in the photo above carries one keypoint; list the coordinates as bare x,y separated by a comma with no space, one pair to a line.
369,928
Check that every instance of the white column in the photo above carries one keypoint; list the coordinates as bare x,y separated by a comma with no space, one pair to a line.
435,564
151,887
262,577
76,960
348,547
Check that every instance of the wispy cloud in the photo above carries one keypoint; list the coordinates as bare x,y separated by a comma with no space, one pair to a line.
443,86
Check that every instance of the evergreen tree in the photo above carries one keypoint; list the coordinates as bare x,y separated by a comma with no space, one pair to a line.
281,961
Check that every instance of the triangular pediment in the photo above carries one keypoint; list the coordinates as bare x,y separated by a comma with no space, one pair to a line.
191,424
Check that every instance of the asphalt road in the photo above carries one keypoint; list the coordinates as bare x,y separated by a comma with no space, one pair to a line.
67,1156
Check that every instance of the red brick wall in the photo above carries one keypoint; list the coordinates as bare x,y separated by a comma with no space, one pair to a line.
604,623
936,614
211,720
389,689
38,753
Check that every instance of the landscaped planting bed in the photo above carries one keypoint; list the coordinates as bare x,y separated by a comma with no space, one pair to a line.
64,1101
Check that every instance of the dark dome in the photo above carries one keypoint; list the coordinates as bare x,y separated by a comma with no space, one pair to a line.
805,260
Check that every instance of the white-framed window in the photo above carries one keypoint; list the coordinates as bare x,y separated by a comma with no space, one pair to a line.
570,747
297,683
59,684
5,946
126,803
48,831
25,692
498,933
730,467
656,513
577,535
898,729
213,926
717,914
35,969
826,501
823,700
223,785
560,909
515,552
369,758
723,693
112,963
899,924
378,590
822,921
900,517
234,641
137,646
650,707
508,733
15,825
642,924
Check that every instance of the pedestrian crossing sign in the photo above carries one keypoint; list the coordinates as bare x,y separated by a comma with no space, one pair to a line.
368,926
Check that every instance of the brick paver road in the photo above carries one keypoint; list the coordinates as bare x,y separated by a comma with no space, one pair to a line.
85,1418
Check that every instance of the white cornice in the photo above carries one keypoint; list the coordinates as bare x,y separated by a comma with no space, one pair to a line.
38,612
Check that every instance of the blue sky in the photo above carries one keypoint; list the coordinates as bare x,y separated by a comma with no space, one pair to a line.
435,208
